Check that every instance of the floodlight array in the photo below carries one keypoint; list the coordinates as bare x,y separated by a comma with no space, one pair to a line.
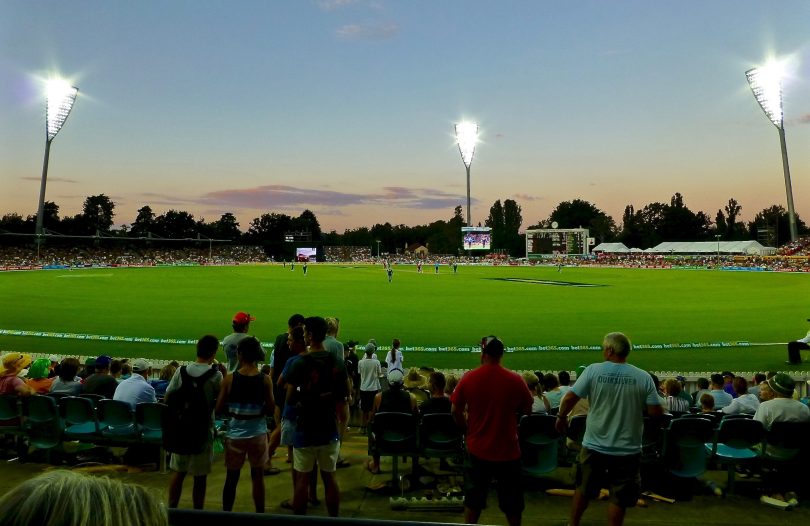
60,98
766,83
467,137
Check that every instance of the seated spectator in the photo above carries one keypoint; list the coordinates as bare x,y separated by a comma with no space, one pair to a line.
438,401
37,377
721,397
754,388
728,383
745,403
397,400
683,394
782,408
136,389
115,369
553,392
65,498
706,403
53,369
540,403
126,370
564,377
451,381
703,388
673,402
101,381
88,369
658,388
415,384
10,382
765,392
67,382
160,385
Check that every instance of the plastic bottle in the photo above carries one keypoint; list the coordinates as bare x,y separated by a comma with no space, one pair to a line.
713,488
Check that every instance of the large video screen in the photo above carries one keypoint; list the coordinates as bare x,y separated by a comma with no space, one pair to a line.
476,238
304,254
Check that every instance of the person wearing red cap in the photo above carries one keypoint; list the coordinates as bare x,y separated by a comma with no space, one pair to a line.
241,326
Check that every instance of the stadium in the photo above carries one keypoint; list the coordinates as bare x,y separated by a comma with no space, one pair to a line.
568,334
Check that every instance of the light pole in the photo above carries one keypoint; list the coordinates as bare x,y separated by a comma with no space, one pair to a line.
766,83
717,237
467,137
60,96
378,248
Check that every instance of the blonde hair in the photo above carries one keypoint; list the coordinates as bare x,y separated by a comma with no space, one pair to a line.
672,387
167,372
66,498
332,325
531,380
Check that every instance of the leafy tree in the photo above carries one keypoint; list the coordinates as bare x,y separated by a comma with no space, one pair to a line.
582,214
144,222
50,216
14,223
734,230
97,213
307,222
774,219
512,219
226,227
176,224
496,221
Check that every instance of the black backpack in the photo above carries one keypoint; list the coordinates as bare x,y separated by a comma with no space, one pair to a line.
187,419
317,395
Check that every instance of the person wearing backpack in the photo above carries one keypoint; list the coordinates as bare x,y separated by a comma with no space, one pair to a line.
321,384
247,396
189,424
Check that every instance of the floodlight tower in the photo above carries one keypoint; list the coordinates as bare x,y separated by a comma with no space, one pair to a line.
766,83
467,137
59,99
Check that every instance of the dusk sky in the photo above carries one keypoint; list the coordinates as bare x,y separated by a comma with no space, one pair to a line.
346,107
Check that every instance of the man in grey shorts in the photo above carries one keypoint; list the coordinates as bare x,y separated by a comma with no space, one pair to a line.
611,448
199,465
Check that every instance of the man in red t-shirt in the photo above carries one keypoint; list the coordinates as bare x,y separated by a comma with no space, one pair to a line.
487,404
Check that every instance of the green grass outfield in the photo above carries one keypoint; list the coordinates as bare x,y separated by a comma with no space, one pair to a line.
520,304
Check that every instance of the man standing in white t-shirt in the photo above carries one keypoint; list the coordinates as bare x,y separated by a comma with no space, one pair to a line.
370,372
241,326
611,448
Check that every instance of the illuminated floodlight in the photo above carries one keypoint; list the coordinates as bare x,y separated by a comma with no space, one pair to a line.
60,96
766,83
59,99
467,138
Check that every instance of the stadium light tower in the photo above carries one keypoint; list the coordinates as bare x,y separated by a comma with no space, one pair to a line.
59,99
467,138
766,83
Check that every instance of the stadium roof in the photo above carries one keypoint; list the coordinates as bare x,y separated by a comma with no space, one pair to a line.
711,247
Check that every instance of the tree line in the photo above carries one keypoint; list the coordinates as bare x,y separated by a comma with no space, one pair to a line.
279,233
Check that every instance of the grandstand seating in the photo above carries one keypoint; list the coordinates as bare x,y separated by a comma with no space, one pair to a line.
47,421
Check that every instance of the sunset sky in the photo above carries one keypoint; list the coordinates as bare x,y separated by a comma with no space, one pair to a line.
346,107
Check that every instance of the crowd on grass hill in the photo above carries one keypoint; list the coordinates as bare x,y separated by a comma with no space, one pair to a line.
793,258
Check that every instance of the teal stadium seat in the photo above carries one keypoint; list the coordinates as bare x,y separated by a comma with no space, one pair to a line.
684,450
733,446
539,441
